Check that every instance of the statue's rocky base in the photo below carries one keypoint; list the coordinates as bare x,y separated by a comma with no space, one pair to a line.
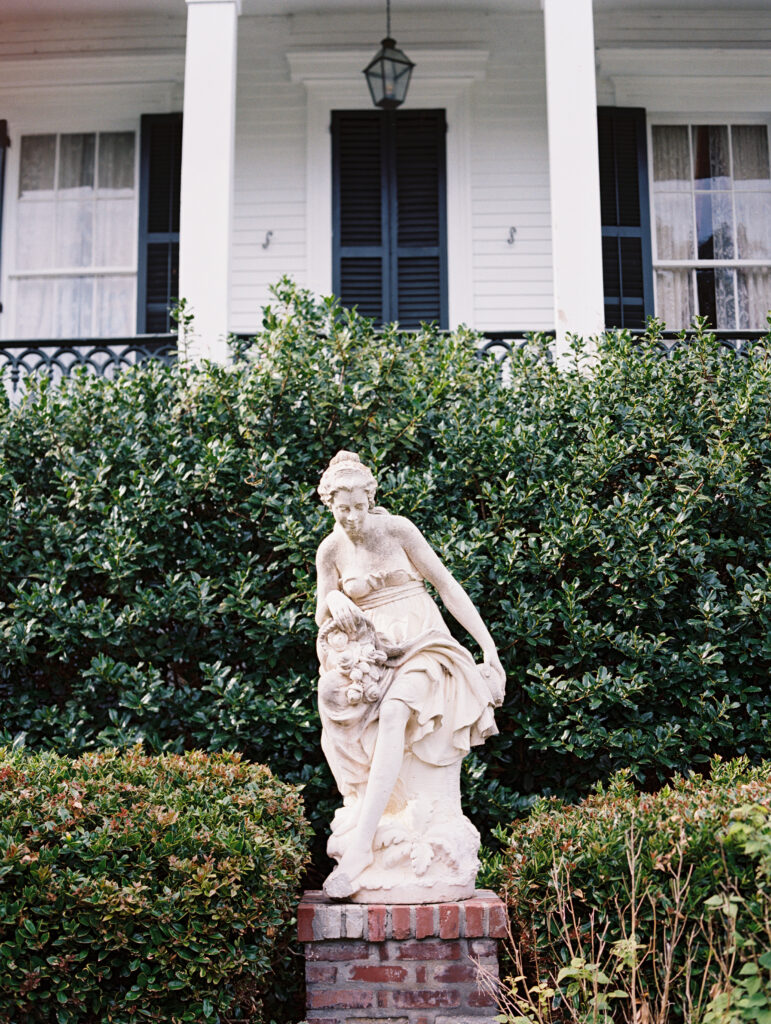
433,963
425,849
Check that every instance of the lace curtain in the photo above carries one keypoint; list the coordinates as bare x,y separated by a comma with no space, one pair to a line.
712,201
75,259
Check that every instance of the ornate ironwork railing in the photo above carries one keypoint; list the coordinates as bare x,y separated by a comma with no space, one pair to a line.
107,356
102,356
500,344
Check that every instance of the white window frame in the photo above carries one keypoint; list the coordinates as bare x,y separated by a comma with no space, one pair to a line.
697,118
334,81
87,93
10,273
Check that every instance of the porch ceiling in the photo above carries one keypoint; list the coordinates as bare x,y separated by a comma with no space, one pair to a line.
28,9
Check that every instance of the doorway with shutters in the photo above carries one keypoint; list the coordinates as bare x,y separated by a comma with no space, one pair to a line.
389,214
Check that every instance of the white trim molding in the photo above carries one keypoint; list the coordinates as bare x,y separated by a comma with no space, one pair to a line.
78,70
688,80
443,78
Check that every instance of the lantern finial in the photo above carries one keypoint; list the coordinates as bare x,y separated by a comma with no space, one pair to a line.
388,73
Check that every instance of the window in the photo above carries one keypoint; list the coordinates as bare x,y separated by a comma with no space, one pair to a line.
626,250
389,216
74,267
712,224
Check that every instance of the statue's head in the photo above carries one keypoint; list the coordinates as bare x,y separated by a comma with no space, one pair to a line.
346,472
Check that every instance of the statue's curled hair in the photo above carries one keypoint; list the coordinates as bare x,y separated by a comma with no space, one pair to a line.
346,471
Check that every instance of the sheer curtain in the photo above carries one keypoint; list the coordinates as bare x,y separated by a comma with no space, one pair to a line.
712,205
75,258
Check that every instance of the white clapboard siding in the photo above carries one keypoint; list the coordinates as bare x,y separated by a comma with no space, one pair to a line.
508,159
41,35
636,27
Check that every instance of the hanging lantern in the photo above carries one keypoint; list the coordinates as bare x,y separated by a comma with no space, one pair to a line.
388,73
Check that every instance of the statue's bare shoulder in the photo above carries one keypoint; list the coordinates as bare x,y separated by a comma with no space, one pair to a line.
406,532
327,550
402,527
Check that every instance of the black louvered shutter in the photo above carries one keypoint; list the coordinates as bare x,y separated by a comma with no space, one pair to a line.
419,224
4,144
389,247
626,232
159,179
359,205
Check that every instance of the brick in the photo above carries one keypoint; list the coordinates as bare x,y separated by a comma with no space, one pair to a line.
467,1019
376,923
424,999
353,921
498,925
456,972
314,896
475,918
425,926
449,921
420,974
382,999
322,1020
326,923
377,973
401,922
320,972
337,951
340,998
376,1020
305,915
426,950
483,947
481,999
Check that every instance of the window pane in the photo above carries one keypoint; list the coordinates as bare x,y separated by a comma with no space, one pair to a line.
34,308
715,290
116,160
671,162
74,233
674,298
76,161
674,226
754,288
34,234
38,159
115,308
114,233
710,156
714,225
751,163
753,225
74,307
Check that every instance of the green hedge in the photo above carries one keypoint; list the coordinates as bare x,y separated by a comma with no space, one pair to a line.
661,899
136,888
158,532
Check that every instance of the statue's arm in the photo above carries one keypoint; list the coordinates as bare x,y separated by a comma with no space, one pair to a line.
330,601
455,599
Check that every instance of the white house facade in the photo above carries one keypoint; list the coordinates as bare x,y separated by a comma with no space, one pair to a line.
557,165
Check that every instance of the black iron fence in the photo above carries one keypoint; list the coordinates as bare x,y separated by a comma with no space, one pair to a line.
102,356
107,356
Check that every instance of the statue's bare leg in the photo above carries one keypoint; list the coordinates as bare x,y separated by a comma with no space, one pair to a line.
383,773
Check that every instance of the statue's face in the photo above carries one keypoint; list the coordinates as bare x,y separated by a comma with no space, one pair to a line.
350,509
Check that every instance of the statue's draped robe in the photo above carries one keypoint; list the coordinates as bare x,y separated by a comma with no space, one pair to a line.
437,678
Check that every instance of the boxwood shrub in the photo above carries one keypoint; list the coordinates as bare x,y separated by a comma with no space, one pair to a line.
675,884
144,888
612,523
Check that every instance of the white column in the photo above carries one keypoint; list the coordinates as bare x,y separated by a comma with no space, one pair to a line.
574,168
208,131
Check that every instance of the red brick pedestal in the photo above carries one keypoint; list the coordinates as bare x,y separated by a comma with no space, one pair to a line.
429,964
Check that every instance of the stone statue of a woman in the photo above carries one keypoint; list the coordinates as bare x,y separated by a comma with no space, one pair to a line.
401,701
